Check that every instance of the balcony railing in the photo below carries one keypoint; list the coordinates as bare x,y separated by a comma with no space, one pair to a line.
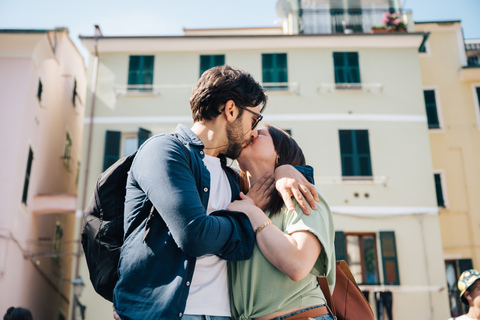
473,54
359,20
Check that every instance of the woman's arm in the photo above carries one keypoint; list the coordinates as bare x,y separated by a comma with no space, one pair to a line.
294,254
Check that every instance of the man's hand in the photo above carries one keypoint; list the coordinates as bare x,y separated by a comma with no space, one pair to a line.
262,191
290,182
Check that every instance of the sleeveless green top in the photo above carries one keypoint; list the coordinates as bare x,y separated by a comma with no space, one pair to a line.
258,288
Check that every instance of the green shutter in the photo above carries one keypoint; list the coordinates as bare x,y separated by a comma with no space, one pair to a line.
27,176
210,61
478,96
40,89
355,153
140,71
143,135
464,264
74,92
112,148
267,68
431,109
340,246
389,258
275,69
346,67
439,190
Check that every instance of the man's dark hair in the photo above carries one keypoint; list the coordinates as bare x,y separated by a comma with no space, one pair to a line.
221,84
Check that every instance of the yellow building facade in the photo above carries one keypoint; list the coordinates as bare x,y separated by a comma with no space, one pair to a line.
451,83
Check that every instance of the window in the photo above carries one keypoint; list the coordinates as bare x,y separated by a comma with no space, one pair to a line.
118,144
40,89
359,250
346,67
140,73
431,108
477,89
439,190
67,155
27,176
453,270
274,71
210,61
346,19
74,97
355,153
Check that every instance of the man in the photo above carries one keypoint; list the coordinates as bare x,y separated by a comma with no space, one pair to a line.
469,286
177,270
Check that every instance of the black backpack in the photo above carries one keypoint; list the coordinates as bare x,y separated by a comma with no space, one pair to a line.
102,235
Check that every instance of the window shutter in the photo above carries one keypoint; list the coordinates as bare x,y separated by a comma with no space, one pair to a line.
147,70
431,109
210,61
134,70
27,176
389,258
439,190
143,135
281,72
40,89
353,67
267,68
340,246
464,264
74,92
346,152
478,96
339,64
364,167
112,148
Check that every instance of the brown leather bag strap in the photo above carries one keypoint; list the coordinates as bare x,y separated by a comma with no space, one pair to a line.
323,283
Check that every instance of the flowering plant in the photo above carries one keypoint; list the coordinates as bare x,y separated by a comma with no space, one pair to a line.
393,21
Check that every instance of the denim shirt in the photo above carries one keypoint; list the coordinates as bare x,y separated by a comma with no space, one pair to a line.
155,271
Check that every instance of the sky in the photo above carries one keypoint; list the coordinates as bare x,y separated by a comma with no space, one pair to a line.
162,17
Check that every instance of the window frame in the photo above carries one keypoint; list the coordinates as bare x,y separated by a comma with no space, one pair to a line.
438,105
377,260
443,183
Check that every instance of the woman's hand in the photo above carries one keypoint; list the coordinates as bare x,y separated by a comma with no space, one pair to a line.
290,182
262,191
247,206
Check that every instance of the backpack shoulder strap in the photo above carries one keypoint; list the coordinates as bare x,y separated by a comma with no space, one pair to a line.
323,283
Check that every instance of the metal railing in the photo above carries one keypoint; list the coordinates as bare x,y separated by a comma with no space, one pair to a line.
321,20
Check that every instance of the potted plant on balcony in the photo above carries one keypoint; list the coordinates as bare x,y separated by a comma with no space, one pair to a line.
392,22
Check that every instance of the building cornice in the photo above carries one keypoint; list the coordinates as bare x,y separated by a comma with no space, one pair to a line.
144,44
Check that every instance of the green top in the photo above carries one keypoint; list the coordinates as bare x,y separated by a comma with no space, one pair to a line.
258,288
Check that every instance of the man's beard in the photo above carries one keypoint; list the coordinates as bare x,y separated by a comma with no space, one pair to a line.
235,138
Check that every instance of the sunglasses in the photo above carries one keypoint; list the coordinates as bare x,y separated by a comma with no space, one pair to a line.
256,120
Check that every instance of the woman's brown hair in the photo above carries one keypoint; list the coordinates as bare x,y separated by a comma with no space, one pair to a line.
288,152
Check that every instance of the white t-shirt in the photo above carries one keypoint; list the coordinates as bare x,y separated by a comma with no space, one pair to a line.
464,317
208,293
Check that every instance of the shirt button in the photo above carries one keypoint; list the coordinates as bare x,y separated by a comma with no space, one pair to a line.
187,283
205,189
201,152
180,314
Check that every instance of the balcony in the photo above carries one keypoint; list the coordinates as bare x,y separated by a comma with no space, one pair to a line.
336,21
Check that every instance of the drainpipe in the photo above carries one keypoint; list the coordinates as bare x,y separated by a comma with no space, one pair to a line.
98,33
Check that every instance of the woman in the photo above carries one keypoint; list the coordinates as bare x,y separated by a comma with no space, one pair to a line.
280,280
